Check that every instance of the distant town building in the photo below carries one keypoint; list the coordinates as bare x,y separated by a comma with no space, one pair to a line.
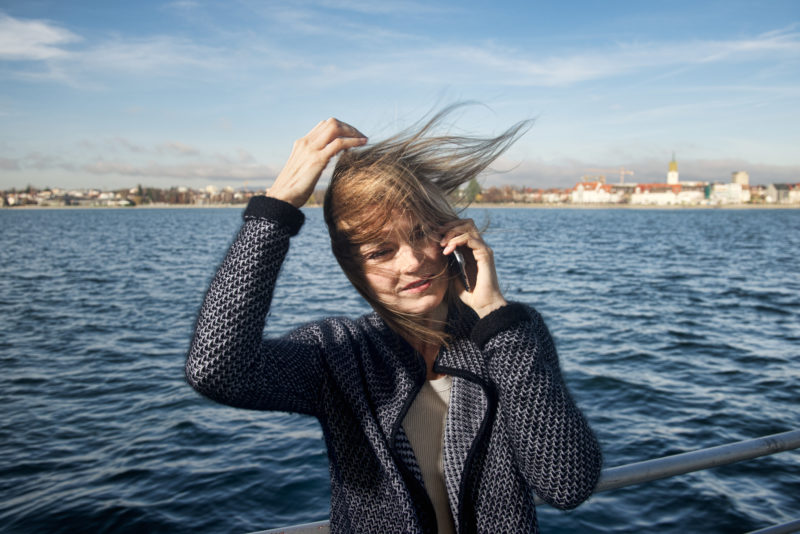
740,177
733,193
672,174
783,193
666,195
134,196
554,196
594,193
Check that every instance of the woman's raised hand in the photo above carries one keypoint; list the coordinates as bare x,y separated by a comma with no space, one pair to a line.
310,155
485,296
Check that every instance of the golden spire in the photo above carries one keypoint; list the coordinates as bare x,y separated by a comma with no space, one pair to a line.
673,165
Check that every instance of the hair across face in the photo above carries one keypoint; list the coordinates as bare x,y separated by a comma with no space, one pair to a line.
394,187
406,270
384,222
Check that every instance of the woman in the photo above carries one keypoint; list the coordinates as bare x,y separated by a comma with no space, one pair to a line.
444,410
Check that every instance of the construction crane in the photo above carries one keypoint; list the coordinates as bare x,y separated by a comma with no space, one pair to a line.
594,178
622,172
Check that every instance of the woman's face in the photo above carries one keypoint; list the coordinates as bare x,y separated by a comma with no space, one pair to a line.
406,269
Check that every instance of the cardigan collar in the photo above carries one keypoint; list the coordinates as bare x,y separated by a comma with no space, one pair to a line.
404,373
406,370
461,357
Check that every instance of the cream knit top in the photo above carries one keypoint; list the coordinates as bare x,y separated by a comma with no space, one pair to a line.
424,426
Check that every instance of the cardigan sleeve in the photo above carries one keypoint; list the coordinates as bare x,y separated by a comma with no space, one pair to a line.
555,450
229,361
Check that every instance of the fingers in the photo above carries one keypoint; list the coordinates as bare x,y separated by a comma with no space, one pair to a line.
486,295
341,143
330,130
327,139
310,155
461,232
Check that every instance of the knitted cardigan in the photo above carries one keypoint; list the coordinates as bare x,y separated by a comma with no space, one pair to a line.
512,428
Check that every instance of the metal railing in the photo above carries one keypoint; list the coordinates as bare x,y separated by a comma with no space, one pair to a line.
649,470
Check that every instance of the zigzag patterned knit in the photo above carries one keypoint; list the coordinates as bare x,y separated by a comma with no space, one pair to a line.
512,427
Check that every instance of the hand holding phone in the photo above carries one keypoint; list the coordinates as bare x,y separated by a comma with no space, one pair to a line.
472,261
458,266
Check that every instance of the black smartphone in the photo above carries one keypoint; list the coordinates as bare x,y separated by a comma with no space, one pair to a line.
458,266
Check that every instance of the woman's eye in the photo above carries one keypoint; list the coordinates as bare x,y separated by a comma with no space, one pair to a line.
377,254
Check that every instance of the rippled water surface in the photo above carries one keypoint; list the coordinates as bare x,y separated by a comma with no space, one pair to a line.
677,330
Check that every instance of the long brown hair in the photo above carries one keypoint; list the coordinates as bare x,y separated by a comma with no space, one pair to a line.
414,173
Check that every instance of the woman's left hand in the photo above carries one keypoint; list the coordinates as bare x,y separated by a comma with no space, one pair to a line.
485,296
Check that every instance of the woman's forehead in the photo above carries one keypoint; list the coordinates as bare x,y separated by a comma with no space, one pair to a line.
381,223
400,223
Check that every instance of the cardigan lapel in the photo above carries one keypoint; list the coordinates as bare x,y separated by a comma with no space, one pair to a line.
398,377
471,411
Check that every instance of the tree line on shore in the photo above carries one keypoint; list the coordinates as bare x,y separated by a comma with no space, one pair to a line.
143,195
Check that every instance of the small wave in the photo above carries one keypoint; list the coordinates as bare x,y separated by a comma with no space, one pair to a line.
772,310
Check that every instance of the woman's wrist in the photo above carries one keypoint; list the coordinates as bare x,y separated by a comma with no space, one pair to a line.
496,304
502,318
272,208
294,200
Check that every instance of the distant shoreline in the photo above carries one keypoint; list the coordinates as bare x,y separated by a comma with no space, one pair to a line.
638,206
509,205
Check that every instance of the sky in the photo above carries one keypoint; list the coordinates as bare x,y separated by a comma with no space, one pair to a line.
193,93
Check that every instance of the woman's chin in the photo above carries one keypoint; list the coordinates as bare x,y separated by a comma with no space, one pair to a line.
425,305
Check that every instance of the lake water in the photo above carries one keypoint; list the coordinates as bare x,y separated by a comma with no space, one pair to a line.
677,330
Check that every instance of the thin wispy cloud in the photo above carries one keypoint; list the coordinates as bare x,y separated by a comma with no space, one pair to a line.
183,4
388,7
33,40
123,157
178,148
347,34
517,67
9,164
89,63
158,55
187,171
405,56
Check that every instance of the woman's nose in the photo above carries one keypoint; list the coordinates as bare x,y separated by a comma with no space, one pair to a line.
410,258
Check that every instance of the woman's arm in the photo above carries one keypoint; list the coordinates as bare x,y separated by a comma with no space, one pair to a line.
229,361
555,450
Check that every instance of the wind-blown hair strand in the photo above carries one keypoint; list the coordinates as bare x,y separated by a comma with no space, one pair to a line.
415,173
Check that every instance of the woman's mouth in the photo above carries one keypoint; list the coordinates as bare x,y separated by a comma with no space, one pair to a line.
417,286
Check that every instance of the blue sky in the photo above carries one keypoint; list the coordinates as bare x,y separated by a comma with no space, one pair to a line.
113,94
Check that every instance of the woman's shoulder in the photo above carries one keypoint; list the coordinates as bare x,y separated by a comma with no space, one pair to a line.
366,322
351,347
